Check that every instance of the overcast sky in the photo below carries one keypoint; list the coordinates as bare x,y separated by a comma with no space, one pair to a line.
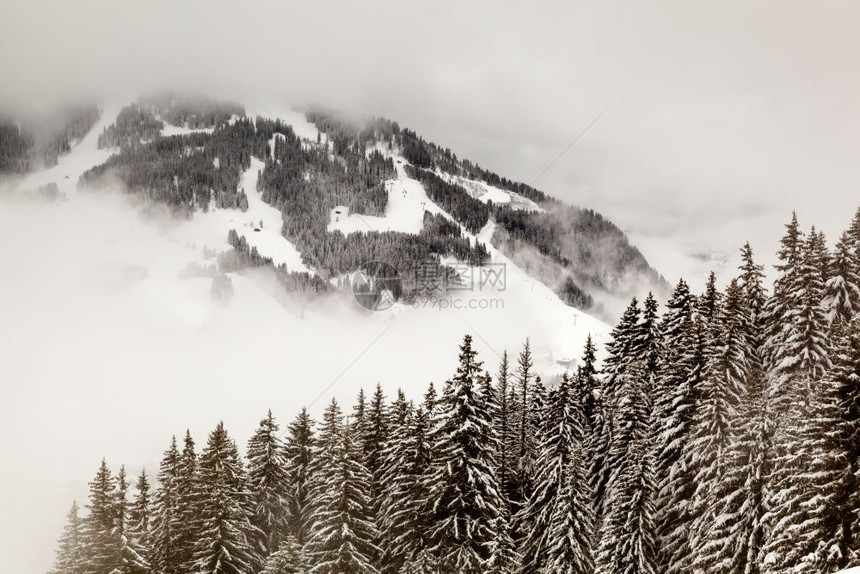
720,118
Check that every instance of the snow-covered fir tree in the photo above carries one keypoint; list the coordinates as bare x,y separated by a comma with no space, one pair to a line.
506,428
268,482
167,515
298,456
558,518
139,523
675,398
103,539
464,494
622,351
71,550
842,289
343,531
627,538
132,559
724,383
226,540
403,523
525,421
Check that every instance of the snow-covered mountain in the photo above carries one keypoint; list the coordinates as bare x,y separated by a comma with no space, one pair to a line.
115,317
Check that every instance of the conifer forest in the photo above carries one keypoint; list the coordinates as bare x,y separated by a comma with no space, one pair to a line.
717,432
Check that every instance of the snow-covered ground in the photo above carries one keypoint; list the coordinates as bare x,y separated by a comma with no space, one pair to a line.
407,202
172,130
485,192
301,126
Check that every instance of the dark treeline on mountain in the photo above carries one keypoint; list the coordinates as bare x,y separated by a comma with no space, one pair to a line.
134,125
195,112
15,146
592,248
185,172
719,435
40,142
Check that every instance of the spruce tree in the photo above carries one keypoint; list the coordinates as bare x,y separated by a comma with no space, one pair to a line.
225,544
525,447
359,414
71,551
103,538
779,306
167,517
724,384
505,429
372,445
189,493
587,386
751,282
139,529
842,290
651,339
622,351
735,538
131,557
709,302
402,523
268,482
675,399
465,499
854,233
430,400
343,532
802,395
802,354
627,540
558,518
299,450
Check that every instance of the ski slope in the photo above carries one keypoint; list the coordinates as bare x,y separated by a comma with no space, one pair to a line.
404,212
84,155
484,192
260,225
